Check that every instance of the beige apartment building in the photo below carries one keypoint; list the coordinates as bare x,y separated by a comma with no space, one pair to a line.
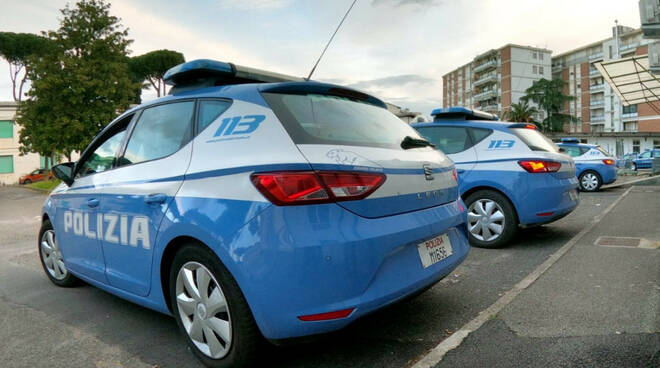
12,164
600,116
495,79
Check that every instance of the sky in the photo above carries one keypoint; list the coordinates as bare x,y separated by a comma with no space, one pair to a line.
397,50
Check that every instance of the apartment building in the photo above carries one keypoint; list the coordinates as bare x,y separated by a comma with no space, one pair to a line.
12,164
600,116
495,79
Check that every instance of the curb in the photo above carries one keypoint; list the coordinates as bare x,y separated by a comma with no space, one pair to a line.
615,185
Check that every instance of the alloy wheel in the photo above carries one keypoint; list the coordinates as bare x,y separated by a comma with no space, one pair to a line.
589,181
203,310
52,256
485,219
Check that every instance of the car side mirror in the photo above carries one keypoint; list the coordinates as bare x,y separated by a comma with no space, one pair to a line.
64,172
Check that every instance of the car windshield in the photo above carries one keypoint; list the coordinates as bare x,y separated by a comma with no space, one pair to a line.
323,119
535,140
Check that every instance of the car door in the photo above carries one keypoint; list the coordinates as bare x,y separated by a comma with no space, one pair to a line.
644,160
455,142
135,198
77,214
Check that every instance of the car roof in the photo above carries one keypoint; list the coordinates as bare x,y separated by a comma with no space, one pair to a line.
486,124
584,145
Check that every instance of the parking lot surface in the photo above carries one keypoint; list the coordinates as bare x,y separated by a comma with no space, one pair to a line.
48,326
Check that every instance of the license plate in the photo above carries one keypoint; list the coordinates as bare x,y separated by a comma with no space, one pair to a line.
434,250
573,194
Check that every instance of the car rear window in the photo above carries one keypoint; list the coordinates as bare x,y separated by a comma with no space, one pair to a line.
601,150
535,140
323,119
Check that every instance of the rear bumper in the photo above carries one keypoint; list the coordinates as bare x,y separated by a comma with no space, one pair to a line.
304,260
544,199
608,174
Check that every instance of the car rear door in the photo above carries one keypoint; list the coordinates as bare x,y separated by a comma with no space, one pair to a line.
456,142
136,196
346,132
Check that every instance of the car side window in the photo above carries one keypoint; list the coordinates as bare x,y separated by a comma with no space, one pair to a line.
584,150
447,139
572,151
160,131
103,157
656,153
209,110
479,134
646,154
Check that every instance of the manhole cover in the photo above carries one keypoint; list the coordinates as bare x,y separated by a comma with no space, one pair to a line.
617,241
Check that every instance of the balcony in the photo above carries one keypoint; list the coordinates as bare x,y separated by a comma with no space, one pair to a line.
631,116
485,95
595,88
596,57
631,46
490,108
594,73
484,66
557,68
485,79
598,104
597,119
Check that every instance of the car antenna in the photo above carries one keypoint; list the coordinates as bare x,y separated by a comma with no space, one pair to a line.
332,37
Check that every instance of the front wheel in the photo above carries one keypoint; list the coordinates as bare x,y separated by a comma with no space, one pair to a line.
27,181
590,181
492,221
211,310
51,258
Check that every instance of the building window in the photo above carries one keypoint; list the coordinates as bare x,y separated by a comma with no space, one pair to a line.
6,129
534,56
534,69
656,144
610,51
631,109
6,164
541,70
636,145
630,126
540,56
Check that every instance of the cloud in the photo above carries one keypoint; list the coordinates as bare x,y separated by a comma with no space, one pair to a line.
254,4
398,3
392,81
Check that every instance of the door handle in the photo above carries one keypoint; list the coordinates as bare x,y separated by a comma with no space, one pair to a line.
156,198
93,202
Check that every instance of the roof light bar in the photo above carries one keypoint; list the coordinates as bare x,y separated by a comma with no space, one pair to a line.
461,113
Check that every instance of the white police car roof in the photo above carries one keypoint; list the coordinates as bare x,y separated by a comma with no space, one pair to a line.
462,113
206,73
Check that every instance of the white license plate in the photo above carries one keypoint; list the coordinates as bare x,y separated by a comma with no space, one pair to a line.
434,250
573,194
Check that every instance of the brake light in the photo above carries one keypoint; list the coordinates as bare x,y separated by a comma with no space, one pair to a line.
530,126
608,161
454,174
307,187
540,166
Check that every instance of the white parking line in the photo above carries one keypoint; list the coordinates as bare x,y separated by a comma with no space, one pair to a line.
436,354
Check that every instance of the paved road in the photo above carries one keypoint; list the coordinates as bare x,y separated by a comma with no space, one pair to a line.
48,326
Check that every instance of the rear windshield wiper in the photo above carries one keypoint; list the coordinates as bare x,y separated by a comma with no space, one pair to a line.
410,142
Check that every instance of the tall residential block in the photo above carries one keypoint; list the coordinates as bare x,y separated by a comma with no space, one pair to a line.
495,79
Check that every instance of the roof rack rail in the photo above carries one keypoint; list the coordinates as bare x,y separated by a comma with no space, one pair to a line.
207,73
461,113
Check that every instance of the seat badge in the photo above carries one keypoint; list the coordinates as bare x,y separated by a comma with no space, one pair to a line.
428,172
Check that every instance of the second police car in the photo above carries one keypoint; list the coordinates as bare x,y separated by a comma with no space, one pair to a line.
510,175
594,166
248,209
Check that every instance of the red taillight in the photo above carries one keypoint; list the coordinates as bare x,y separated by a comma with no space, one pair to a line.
540,166
326,316
454,174
307,187
607,161
530,126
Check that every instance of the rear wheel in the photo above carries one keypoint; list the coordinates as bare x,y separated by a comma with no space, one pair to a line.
27,181
492,222
590,181
51,258
211,310
634,167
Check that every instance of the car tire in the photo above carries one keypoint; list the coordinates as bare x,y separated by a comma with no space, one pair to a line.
232,324
590,181
634,167
27,181
51,258
481,223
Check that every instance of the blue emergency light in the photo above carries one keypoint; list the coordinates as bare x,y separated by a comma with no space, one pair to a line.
461,113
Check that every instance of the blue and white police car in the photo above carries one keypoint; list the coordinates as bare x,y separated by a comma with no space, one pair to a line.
594,166
510,174
645,159
250,204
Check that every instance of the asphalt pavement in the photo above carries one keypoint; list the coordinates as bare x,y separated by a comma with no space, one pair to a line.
42,325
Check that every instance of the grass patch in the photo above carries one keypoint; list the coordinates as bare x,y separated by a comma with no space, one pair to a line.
45,185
